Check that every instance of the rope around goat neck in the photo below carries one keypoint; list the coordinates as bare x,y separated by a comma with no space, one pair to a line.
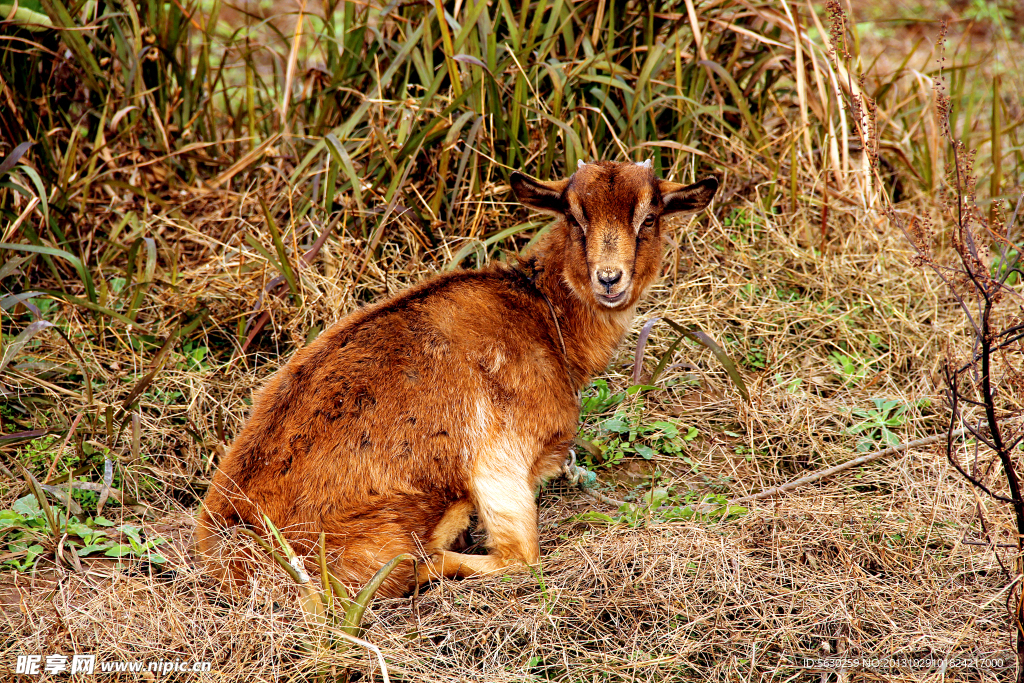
578,476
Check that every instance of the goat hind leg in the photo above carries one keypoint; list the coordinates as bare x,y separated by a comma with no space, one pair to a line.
508,513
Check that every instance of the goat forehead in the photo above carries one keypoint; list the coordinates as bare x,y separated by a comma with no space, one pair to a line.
614,190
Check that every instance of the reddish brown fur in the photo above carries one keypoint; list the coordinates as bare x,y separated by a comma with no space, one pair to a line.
455,395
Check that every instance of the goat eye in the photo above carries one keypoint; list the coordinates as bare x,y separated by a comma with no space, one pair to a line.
649,221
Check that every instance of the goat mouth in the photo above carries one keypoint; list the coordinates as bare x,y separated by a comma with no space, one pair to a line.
611,300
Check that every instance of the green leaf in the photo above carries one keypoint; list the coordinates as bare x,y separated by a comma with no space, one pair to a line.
602,400
10,518
700,337
678,513
28,506
119,550
670,430
645,451
132,532
79,529
593,516
887,406
862,427
656,497
616,425
354,614
337,150
26,14
83,272
283,263
89,549
152,543
23,338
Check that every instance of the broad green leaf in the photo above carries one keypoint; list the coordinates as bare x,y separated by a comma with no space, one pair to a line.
670,430
27,506
132,532
615,424
119,550
89,549
646,452
594,516
10,518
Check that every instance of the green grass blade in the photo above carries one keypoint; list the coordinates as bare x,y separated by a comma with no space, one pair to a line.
50,251
73,38
698,336
354,614
286,266
40,192
738,98
337,150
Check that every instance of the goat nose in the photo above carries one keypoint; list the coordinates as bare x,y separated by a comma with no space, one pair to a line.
609,276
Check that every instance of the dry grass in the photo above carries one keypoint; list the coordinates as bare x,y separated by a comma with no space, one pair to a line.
883,561
872,564
833,572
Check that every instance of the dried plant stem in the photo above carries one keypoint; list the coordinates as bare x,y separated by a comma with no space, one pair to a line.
870,457
290,74
601,497
371,647
60,453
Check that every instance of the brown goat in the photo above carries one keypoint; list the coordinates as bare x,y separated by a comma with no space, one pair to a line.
460,393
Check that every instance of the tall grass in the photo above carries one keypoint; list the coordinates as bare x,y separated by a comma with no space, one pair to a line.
375,100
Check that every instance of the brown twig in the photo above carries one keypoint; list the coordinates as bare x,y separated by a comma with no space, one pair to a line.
870,457
596,495
60,451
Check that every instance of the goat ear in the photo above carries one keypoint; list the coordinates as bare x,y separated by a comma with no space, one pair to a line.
546,197
687,198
